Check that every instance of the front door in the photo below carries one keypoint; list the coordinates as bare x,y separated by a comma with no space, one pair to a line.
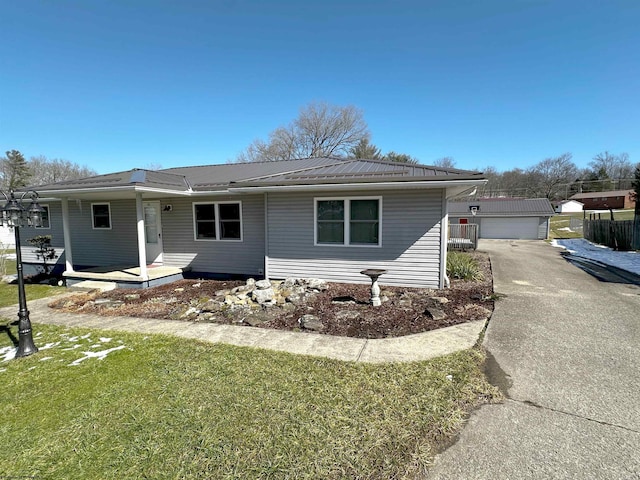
153,231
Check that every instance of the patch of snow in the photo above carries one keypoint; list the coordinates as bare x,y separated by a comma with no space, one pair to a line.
565,229
84,337
72,347
32,368
38,334
101,355
104,339
629,261
9,353
49,345
46,358
3,370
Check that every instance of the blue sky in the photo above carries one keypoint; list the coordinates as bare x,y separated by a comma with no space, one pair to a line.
506,83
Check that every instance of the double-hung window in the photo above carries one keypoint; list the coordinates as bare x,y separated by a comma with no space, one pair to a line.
217,221
46,223
101,215
351,221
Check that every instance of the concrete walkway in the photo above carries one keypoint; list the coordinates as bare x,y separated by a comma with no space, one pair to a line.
564,347
421,346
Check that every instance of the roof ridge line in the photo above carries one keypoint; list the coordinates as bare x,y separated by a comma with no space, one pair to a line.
298,170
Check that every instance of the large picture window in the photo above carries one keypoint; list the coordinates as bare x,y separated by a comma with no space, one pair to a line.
348,221
217,221
101,215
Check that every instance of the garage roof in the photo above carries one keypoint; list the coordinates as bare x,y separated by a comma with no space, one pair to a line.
503,207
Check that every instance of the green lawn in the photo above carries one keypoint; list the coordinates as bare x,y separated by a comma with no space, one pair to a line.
559,226
9,293
560,223
163,407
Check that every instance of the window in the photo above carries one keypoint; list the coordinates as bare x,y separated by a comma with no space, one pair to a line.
348,221
45,218
217,221
101,215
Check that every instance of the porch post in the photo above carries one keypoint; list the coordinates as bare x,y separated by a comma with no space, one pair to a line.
142,248
66,234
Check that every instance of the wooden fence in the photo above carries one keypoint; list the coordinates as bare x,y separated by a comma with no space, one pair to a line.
615,234
462,236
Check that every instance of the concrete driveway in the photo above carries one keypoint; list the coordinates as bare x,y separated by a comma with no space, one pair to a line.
565,347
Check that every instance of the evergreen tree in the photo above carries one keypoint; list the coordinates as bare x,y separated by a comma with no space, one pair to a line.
15,171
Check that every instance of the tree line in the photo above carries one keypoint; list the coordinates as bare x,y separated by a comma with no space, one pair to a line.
325,130
17,172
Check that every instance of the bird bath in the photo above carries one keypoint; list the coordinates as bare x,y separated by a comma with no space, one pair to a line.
373,274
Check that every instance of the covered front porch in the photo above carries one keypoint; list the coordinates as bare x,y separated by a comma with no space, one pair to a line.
125,276
114,237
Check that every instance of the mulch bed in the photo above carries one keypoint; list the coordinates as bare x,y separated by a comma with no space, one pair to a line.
342,308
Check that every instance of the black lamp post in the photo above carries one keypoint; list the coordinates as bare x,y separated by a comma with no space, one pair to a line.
15,215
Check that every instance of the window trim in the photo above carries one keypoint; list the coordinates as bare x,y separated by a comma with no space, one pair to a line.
216,205
93,217
347,222
46,205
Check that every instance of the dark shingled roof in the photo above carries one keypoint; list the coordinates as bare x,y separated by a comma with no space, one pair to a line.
307,171
503,207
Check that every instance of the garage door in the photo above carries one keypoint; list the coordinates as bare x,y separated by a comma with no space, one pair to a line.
513,227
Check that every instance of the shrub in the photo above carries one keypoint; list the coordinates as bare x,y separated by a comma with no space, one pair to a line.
463,266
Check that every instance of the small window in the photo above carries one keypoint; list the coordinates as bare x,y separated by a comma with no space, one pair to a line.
217,221
348,221
101,213
46,224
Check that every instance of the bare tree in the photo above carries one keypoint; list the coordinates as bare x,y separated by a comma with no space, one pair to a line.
552,175
321,130
364,149
45,171
445,162
607,166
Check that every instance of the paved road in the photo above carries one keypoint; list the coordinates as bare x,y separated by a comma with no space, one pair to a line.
566,348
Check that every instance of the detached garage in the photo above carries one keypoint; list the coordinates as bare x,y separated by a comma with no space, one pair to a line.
508,218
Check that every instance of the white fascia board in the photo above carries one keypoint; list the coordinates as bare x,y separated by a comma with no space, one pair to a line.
123,189
333,187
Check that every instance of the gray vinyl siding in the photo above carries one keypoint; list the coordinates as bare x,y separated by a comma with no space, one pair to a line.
244,257
55,230
102,247
410,250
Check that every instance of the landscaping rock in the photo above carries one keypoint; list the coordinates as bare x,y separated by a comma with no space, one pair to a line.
311,322
132,296
263,284
289,282
295,298
251,282
316,284
441,300
263,296
435,313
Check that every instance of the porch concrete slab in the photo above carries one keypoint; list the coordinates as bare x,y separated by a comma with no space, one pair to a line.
88,285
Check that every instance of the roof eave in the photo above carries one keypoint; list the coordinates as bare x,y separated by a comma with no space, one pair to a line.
318,187
59,193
